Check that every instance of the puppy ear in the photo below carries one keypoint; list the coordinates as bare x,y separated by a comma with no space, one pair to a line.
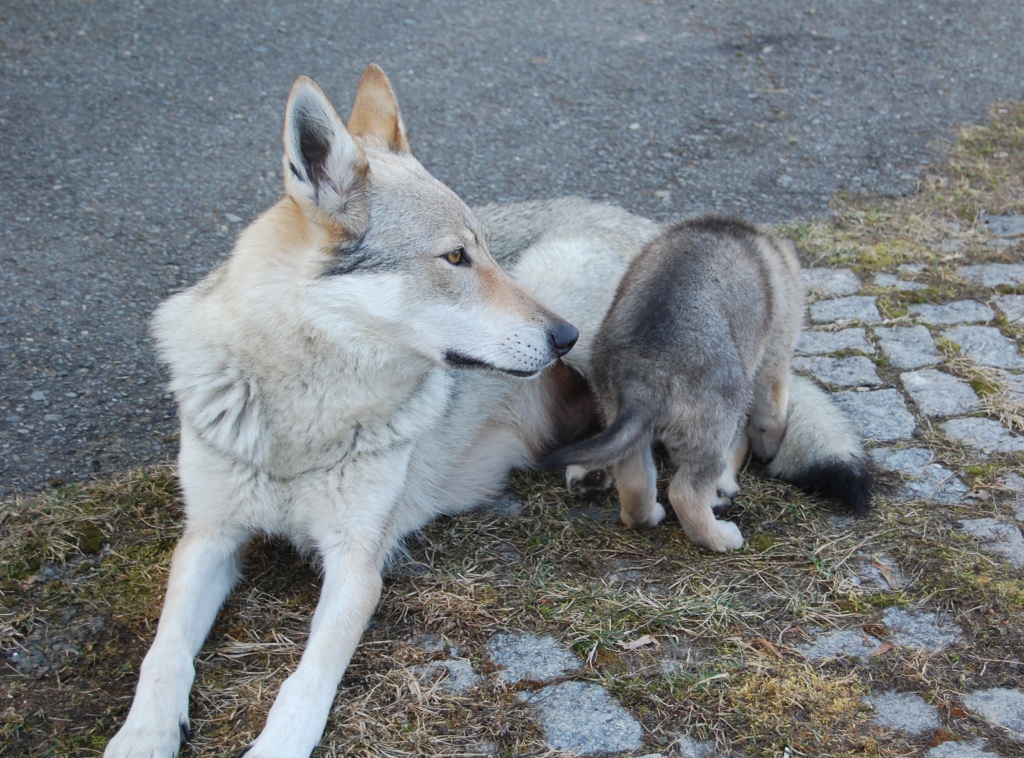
375,117
325,170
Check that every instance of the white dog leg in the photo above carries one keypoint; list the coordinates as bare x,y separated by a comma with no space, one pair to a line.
351,589
203,570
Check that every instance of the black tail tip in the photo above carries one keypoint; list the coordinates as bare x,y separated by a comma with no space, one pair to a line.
849,483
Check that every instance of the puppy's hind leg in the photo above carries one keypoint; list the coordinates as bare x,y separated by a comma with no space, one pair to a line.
637,478
693,494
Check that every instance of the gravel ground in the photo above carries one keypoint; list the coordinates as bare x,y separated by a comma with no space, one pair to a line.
139,138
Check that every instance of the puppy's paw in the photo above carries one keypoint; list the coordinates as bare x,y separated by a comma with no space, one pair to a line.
583,481
721,502
638,520
726,488
721,536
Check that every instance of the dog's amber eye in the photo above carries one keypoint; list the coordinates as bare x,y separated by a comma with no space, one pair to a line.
455,256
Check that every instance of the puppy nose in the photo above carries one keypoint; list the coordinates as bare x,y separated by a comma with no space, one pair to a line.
563,337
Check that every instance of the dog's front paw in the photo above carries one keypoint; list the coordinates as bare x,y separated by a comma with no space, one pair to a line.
583,481
147,740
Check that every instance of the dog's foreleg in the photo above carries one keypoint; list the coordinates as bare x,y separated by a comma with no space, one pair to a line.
203,570
354,521
351,590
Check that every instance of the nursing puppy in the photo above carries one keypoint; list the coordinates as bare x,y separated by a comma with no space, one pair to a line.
695,353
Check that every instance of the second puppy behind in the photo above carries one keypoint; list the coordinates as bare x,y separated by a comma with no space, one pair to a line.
695,353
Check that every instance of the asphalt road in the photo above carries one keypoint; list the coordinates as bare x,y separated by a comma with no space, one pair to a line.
139,137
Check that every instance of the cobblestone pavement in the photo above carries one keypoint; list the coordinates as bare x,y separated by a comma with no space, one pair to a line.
846,343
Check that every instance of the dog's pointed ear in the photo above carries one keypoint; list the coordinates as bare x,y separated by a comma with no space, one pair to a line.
375,116
325,170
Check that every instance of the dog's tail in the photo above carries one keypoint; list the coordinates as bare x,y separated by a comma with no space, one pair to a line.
821,451
631,428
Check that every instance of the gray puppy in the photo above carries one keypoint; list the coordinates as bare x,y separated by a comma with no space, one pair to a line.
695,353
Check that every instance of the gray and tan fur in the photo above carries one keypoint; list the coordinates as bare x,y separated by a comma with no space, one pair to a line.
695,353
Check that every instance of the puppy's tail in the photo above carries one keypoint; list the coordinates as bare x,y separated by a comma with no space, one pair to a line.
821,451
631,428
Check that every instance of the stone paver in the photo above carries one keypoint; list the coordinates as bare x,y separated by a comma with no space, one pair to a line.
1001,706
880,415
584,718
838,644
983,434
908,346
986,345
858,308
938,395
687,747
529,656
888,280
1014,484
999,538
1012,307
855,371
1014,387
924,479
830,282
823,343
922,630
1005,226
993,274
959,312
905,711
968,749
459,676
869,572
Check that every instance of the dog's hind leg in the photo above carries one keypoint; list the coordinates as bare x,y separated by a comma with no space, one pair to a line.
203,570
637,478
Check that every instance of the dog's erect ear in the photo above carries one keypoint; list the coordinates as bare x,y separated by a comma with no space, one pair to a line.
375,115
325,170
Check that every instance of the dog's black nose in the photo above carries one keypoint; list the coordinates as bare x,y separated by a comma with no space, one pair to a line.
563,337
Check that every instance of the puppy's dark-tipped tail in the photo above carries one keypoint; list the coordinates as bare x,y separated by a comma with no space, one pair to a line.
821,451
631,428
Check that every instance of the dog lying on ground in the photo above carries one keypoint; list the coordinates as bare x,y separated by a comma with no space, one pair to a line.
695,353
366,359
